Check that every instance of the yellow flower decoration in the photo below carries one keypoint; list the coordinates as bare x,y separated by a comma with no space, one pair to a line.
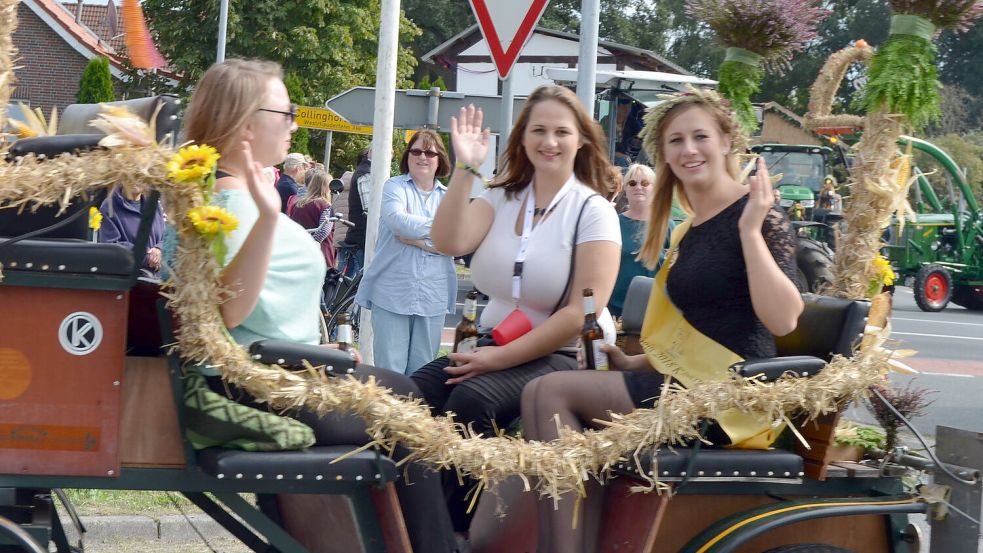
24,131
95,218
883,276
192,163
210,220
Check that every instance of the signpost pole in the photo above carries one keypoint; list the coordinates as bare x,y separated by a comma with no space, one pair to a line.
505,123
590,23
382,144
327,150
433,106
223,25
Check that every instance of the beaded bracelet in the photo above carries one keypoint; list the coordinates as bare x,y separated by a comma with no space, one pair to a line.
470,169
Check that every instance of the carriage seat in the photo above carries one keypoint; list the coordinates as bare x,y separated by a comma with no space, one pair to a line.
828,326
314,465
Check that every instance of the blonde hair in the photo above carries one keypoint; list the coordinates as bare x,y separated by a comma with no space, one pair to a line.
666,184
591,163
317,182
636,168
224,99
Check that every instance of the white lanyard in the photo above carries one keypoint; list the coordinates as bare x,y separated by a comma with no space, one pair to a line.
527,230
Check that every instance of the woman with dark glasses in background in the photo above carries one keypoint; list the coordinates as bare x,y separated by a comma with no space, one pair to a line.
638,181
410,286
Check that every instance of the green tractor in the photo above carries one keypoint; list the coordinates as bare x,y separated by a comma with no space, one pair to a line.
940,254
804,171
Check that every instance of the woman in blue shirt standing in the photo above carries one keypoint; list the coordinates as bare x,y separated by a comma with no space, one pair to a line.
410,286
638,190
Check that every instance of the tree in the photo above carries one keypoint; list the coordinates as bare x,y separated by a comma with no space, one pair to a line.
96,85
299,140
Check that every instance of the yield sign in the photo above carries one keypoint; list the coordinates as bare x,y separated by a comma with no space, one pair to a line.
507,27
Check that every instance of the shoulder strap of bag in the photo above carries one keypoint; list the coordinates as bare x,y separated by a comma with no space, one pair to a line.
573,256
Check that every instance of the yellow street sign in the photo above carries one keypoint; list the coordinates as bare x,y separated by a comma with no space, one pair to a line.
327,120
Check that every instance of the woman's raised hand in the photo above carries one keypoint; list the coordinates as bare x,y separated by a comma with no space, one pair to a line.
470,141
264,193
760,200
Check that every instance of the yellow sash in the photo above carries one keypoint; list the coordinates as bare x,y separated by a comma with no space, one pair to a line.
678,350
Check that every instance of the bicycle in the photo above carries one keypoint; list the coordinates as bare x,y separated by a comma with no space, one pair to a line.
338,296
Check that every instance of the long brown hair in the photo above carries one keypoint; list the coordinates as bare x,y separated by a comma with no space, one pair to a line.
427,138
591,163
225,97
666,183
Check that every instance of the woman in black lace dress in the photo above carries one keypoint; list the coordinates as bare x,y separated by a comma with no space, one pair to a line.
731,278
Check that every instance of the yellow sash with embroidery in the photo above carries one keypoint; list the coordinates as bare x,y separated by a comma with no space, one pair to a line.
678,350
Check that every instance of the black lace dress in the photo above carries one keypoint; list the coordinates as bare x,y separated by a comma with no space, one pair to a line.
708,283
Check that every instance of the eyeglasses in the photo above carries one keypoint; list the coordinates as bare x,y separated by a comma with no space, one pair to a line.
418,152
292,114
642,183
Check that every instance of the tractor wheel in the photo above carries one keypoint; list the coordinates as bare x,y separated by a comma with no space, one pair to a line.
968,297
809,548
814,261
933,288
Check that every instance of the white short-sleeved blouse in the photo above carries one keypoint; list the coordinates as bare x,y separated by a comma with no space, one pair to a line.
547,265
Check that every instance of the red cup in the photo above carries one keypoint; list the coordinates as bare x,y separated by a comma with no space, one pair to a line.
511,327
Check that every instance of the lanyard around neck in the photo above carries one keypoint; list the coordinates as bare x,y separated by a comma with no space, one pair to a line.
527,230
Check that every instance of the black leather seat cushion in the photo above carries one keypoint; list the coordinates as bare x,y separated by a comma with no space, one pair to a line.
312,464
725,464
67,257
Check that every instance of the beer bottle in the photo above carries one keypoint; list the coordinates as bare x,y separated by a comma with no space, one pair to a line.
592,335
466,332
344,332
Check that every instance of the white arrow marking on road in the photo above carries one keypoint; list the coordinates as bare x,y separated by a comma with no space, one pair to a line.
935,336
934,321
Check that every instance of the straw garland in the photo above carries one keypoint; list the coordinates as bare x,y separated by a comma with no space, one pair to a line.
879,181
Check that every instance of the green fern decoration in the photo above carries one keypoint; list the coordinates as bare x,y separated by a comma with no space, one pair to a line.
903,76
738,81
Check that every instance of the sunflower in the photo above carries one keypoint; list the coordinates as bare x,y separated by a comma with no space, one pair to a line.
192,163
210,220
95,218
884,271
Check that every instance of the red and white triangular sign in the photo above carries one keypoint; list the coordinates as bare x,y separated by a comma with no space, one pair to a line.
507,27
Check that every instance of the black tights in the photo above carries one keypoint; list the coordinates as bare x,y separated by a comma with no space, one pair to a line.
576,398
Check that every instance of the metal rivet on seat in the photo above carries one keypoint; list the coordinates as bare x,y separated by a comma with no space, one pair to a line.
664,473
257,357
280,362
13,263
259,477
94,269
220,476
239,475
682,473
358,478
718,473
61,267
300,477
319,477
805,373
330,369
753,473
350,371
28,265
700,473
44,267
787,473
279,477
338,478
737,473
771,473
802,474
378,477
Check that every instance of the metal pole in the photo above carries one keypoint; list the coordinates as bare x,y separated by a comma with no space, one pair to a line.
505,120
223,25
433,105
590,23
382,144
327,151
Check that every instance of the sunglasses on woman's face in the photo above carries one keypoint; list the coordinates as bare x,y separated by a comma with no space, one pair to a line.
291,115
418,152
642,183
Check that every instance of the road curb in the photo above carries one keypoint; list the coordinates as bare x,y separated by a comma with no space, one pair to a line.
165,529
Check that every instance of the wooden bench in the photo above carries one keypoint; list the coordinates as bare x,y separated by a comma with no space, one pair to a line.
79,412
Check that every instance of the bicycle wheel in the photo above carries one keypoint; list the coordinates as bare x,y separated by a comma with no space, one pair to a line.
346,305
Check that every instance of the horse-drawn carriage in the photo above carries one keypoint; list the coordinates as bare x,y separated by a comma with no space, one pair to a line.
91,397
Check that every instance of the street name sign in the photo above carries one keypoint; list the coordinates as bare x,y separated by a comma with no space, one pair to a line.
413,108
327,120
507,27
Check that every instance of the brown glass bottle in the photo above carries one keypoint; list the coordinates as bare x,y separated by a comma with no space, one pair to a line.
466,332
344,332
592,336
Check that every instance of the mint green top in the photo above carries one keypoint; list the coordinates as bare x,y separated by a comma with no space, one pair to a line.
289,304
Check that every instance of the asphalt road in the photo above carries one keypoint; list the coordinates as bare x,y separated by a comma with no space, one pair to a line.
949,341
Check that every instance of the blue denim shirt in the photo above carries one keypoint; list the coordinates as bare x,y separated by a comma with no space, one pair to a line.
405,279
